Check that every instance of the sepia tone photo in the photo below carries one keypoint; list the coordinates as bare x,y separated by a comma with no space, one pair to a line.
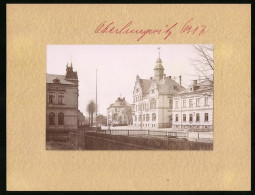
129,97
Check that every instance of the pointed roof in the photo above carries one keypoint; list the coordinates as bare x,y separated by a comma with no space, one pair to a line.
145,83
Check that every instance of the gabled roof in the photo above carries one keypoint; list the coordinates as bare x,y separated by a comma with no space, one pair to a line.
51,77
164,86
146,83
168,86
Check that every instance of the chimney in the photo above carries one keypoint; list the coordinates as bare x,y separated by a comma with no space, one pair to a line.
124,98
164,76
150,78
194,82
180,80
170,77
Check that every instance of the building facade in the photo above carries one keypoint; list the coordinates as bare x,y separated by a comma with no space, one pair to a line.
153,99
62,101
119,113
193,107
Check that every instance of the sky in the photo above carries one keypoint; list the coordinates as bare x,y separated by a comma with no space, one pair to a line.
117,67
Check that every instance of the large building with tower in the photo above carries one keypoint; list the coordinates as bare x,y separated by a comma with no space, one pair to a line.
153,99
62,94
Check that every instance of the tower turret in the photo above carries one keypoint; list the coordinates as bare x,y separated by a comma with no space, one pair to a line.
159,69
71,75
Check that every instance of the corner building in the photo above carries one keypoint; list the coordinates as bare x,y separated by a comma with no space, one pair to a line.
62,101
193,107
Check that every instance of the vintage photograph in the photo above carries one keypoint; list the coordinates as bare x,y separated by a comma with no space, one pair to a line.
129,97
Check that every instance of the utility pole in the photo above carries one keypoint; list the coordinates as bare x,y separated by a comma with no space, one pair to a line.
141,116
96,98
181,112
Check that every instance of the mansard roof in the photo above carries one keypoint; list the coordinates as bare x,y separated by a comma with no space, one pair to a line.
50,78
120,102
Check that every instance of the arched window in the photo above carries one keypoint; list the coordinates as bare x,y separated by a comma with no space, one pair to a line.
147,117
153,117
52,118
60,118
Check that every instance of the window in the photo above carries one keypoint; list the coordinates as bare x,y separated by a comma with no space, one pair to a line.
144,117
137,90
152,91
184,103
206,101
136,108
170,103
153,104
197,102
135,118
140,117
61,98
190,117
176,117
206,117
176,104
147,117
52,118
191,103
51,97
60,118
184,117
115,109
153,117
197,117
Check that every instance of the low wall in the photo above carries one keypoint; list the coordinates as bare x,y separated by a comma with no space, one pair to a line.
98,141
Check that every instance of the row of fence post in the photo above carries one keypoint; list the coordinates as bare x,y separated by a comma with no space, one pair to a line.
174,134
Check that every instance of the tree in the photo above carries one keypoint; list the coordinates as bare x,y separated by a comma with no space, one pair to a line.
204,67
91,108
204,63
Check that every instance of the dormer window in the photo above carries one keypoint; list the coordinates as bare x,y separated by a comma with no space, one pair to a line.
56,80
